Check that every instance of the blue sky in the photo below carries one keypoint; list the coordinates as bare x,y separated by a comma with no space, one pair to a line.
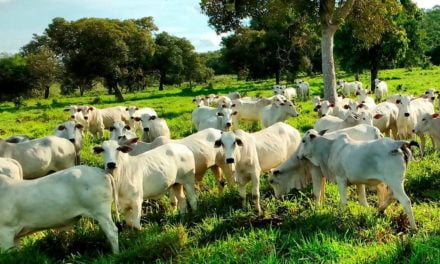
19,19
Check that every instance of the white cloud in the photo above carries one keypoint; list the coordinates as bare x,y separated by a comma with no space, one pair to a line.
427,3
4,1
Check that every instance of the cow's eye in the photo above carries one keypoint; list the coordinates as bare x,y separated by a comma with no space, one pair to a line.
304,141
423,119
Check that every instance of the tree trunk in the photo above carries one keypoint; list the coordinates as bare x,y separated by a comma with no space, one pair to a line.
81,90
118,93
277,76
46,92
161,80
356,76
374,70
328,63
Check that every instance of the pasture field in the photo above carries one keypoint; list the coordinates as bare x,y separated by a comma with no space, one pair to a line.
221,231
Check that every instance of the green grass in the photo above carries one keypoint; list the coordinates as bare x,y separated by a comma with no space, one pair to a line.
221,231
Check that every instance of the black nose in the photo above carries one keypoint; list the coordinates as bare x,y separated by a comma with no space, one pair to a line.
230,160
228,124
146,129
111,165
414,131
72,140
86,117
72,116
406,114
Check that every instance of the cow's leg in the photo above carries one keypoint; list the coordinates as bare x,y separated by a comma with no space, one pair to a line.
218,176
7,238
180,195
132,214
422,143
362,197
322,197
382,194
191,195
342,185
173,198
317,183
399,194
256,192
242,192
109,228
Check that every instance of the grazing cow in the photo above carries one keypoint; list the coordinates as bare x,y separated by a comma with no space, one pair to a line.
430,125
303,89
370,162
234,95
153,127
149,175
296,173
56,201
99,119
274,113
259,152
134,111
200,101
380,89
119,129
249,110
288,92
11,168
209,99
333,123
42,156
222,120
19,139
349,88
72,131
410,113
366,101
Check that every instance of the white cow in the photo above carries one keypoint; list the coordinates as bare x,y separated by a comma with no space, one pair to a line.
200,101
296,173
72,131
222,120
349,88
134,111
274,113
209,99
153,127
430,125
234,95
149,175
366,101
56,201
99,119
333,123
18,139
371,162
288,92
385,118
249,110
410,113
303,89
76,115
42,156
11,168
119,129
380,89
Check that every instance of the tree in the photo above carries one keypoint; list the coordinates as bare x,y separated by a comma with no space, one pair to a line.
216,61
44,68
15,77
431,24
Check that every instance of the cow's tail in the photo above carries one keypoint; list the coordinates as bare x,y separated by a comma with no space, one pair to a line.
115,199
405,147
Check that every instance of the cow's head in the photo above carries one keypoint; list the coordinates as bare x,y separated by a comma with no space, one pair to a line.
326,108
70,131
404,105
131,110
112,151
289,108
426,122
119,129
224,117
73,110
230,144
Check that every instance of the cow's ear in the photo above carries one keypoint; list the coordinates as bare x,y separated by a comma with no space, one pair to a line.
127,127
377,116
78,110
322,132
332,105
61,128
66,110
318,107
217,143
90,108
137,108
79,126
233,105
436,115
194,99
234,113
276,172
98,149
137,119
239,142
124,149
153,117
111,128
134,140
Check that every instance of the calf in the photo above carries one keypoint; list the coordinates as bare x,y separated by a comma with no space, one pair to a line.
296,173
76,115
119,129
303,89
248,110
430,124
72,131
11,168
153,127
99,119
149,175
200,101
349,88
42,156
365,101
273,113
222,120
134,111
288,92
55,201
388,165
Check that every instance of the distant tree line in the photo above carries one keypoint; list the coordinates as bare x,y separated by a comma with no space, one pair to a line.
124,55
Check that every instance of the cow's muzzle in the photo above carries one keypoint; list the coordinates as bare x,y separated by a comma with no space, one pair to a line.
230,160
111,165
146,129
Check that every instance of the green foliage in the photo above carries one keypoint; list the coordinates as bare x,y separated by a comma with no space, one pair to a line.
15,78
432,26
293,230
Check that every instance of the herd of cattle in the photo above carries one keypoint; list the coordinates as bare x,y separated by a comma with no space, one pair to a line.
351,129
